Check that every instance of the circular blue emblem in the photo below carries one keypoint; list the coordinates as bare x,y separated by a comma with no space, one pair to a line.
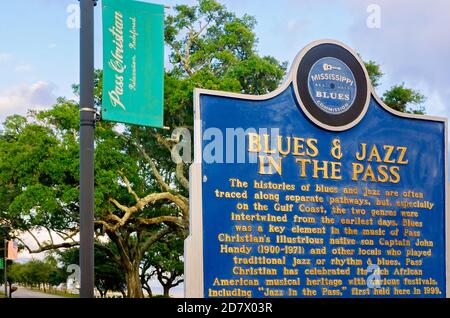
332,85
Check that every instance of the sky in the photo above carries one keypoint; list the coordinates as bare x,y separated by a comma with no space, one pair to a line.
39,43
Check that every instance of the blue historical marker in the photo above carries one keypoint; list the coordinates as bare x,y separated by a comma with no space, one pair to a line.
316,190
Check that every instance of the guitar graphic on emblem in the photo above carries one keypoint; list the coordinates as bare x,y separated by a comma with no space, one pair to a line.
328,67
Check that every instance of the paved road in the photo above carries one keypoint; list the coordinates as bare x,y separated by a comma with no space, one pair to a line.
26,293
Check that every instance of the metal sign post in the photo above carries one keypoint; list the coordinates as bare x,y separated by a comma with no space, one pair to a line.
87,125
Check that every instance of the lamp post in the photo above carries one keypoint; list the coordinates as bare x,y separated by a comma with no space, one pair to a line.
87,126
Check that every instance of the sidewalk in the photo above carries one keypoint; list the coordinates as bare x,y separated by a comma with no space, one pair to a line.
22,292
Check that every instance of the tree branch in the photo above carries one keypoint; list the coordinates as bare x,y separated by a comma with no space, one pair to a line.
113,217
179,172
124,256
107,226
24,244
154,238
50,234
163,141
121,207
184,62
169,219
154,169
109,252
130,190
35,238
180,176
202,28
152,164
67,236
178,282
51,247
151,198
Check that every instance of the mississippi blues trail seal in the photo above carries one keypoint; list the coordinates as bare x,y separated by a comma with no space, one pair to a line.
332,86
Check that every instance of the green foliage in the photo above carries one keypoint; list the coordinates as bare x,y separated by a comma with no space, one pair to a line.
98,86
212,48
398,97
404,99
375,72
108,274
165,262
36,273
37,165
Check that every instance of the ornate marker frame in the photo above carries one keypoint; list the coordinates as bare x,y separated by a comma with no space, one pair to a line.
194,280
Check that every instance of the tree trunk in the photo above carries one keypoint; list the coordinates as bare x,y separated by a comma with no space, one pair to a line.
166,283
133,281
129,263
148,289
166,289
101,291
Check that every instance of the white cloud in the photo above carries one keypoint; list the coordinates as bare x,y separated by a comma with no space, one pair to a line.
5,57
18,99
23,68
297,25
52,45
412,44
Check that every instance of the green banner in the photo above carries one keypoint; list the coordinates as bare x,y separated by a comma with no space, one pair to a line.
133,62
2,263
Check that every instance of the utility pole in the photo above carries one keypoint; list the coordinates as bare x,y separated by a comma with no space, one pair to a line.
87,126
